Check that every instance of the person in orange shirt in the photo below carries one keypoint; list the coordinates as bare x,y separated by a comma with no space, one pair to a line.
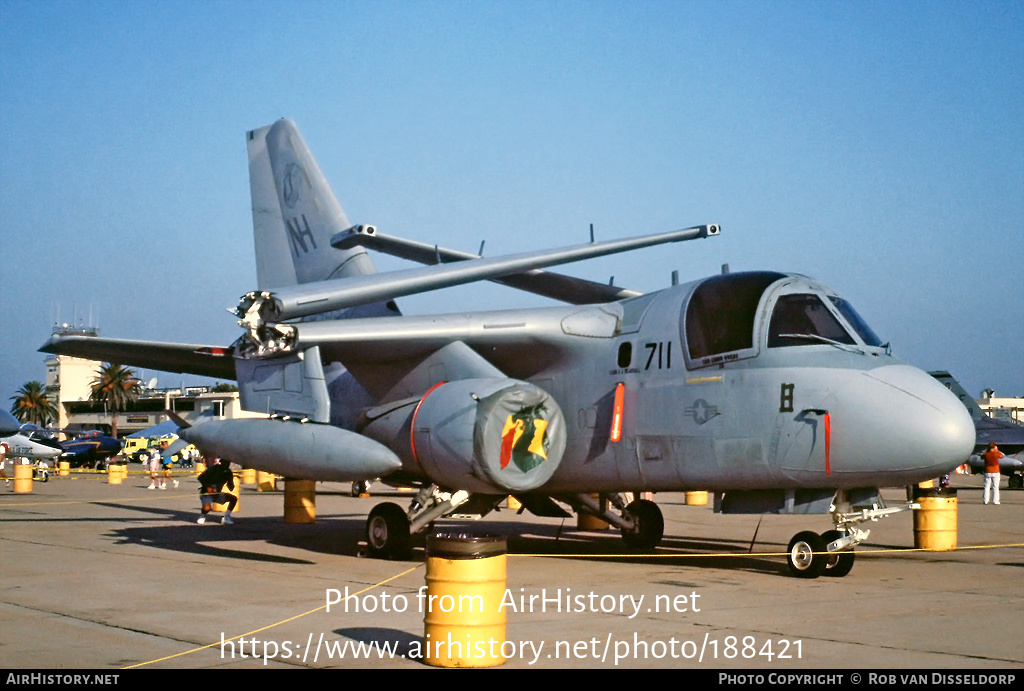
991,457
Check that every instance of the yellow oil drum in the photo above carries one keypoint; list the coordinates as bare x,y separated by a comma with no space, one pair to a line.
513,504
63,468
935,521
248,476
299,501
584,521
23,478
265,482
697,498
464,623
236,493
114,476
200,468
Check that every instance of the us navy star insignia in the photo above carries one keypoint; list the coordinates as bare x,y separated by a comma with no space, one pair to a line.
701,411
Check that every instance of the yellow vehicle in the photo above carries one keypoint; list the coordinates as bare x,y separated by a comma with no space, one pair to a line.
135,448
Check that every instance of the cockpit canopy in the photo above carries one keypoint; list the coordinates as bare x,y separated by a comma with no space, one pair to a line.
727,317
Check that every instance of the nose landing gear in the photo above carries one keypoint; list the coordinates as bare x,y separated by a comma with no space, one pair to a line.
810,555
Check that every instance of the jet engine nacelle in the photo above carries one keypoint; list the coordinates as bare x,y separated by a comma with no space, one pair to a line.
481,435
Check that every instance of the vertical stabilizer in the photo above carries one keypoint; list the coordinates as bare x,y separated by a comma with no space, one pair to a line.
274,268
953,385
295,213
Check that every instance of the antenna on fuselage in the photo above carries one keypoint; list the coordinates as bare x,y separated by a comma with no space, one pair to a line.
725,268
675,277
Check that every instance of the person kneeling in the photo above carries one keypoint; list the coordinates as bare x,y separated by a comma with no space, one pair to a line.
211,484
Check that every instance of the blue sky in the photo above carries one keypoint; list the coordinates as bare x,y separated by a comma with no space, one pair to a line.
877,146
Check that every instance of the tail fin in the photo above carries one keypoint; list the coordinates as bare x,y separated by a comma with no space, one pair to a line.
295,213
953,385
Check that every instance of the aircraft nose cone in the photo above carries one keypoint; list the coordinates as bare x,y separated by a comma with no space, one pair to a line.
933,429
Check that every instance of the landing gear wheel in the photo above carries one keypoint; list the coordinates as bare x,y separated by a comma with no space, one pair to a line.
1016,481
649,525
806,555
387,532
837,564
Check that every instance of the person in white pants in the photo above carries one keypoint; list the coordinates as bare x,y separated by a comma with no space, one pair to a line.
991,457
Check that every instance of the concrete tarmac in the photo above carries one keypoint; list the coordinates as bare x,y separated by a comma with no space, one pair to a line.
108,577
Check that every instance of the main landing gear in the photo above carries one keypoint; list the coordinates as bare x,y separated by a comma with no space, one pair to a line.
640,521
389,528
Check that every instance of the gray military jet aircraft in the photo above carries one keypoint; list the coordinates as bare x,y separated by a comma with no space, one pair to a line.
1009,437
766,388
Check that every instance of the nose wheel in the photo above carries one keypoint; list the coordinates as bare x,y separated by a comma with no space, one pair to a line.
838,563
806,555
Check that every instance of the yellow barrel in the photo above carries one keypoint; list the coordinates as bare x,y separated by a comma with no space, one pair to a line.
265,482
464,623
248,476
935,521
236,493
584,521
114,476
299,501
64,468
697,498
23,478
200,468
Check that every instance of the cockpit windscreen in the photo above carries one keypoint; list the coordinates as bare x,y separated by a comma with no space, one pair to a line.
803,319
856,321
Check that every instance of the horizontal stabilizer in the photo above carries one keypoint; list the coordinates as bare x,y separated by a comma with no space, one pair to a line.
207,361
575,291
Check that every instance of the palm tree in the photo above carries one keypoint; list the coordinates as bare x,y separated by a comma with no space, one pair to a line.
115,387
32,405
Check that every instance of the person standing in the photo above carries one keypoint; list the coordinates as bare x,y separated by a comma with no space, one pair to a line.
991,457
154,464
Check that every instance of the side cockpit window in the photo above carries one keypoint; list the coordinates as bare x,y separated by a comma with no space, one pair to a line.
720,316
803,319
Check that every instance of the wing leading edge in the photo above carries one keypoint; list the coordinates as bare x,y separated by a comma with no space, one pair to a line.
207,361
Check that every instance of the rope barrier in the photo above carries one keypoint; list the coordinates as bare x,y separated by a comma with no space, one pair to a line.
270,626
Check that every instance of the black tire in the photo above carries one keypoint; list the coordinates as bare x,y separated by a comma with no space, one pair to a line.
837,564
387,532
649,525
806,555
1016,481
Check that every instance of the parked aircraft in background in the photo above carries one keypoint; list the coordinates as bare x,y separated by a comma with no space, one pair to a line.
31,442
90,449
8,424
764,387
1009,437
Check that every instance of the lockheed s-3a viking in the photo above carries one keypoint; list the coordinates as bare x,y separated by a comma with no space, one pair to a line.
766,388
